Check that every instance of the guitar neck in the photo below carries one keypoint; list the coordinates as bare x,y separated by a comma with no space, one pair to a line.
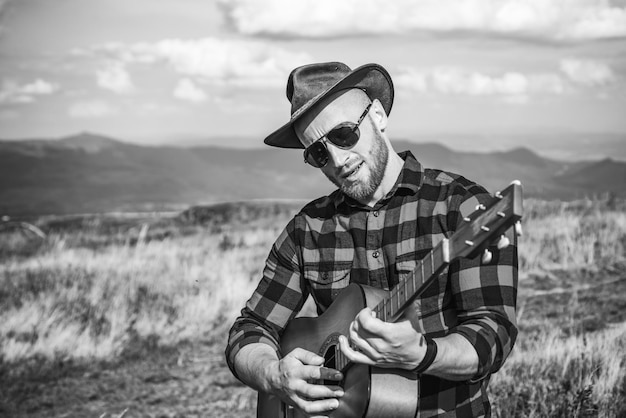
486,222
390,309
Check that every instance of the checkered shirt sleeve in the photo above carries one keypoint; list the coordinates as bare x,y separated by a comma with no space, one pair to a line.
277,299
485,297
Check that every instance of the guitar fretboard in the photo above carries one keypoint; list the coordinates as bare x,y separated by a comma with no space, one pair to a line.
408,288
391,308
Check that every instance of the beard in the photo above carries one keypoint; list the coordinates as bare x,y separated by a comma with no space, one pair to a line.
363,190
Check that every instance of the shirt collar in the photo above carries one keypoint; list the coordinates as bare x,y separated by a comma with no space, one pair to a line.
409,181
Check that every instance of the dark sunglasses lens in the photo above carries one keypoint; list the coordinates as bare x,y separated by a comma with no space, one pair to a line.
316,154
344,137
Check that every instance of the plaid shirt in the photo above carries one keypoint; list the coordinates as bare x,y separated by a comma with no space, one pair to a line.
334,241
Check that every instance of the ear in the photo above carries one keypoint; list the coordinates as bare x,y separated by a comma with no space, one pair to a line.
378,115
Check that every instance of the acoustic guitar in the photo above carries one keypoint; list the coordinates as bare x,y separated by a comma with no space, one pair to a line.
382,392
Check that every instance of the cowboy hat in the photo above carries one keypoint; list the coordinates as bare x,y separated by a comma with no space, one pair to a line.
309,84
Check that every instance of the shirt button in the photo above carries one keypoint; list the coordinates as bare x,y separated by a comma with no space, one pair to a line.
376,213
375,254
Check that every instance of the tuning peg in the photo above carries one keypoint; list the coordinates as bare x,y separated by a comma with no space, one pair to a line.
516,182
518,228
498,195
503,242
480,207
487,256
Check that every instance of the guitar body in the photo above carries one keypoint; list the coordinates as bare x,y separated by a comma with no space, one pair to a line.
369,391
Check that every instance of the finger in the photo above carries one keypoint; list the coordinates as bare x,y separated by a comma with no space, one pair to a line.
306,357
319,373
313,408
368,323
363,345
365,341
351,354
337,389
326,373
313,392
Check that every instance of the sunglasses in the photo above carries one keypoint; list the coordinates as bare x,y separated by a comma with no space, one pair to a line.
344,136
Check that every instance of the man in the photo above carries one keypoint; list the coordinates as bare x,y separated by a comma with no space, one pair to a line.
387,213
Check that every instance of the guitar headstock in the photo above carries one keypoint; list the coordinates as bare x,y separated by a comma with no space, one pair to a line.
488,222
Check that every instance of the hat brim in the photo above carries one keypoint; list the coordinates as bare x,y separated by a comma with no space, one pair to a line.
371,78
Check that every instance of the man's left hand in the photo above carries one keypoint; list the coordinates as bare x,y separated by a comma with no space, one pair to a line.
382,344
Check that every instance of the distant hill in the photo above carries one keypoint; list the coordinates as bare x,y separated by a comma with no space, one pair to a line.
92,173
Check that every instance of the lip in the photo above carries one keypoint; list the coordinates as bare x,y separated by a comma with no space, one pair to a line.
350,171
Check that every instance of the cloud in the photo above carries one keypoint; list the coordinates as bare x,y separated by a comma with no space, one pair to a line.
215,61
543,19
515,86
90,109
12,92
187,90
512,86
452,80
114,77
587,72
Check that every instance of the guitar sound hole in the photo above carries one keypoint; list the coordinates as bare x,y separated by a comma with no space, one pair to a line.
330,361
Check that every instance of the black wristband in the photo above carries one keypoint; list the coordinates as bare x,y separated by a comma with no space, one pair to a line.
429,357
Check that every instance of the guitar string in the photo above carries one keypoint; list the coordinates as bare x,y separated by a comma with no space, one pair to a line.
379,309
400,300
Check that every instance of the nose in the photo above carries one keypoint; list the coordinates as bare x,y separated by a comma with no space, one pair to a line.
336,156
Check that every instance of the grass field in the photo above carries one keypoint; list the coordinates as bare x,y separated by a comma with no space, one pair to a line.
116,316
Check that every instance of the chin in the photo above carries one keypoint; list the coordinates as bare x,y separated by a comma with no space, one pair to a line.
358,191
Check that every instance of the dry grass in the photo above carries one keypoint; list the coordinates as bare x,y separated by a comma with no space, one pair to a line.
93,288
562,237
575,376
88,302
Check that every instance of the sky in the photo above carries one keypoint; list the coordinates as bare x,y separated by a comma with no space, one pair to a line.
157,71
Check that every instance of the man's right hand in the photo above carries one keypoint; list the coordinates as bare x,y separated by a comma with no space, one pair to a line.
290,379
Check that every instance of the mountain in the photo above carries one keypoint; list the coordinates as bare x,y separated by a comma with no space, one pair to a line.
93,173
88,142
606,175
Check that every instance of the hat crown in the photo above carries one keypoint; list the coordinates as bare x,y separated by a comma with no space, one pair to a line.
309,81
309,84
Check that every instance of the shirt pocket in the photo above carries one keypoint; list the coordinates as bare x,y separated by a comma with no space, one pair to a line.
327,280
432,300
